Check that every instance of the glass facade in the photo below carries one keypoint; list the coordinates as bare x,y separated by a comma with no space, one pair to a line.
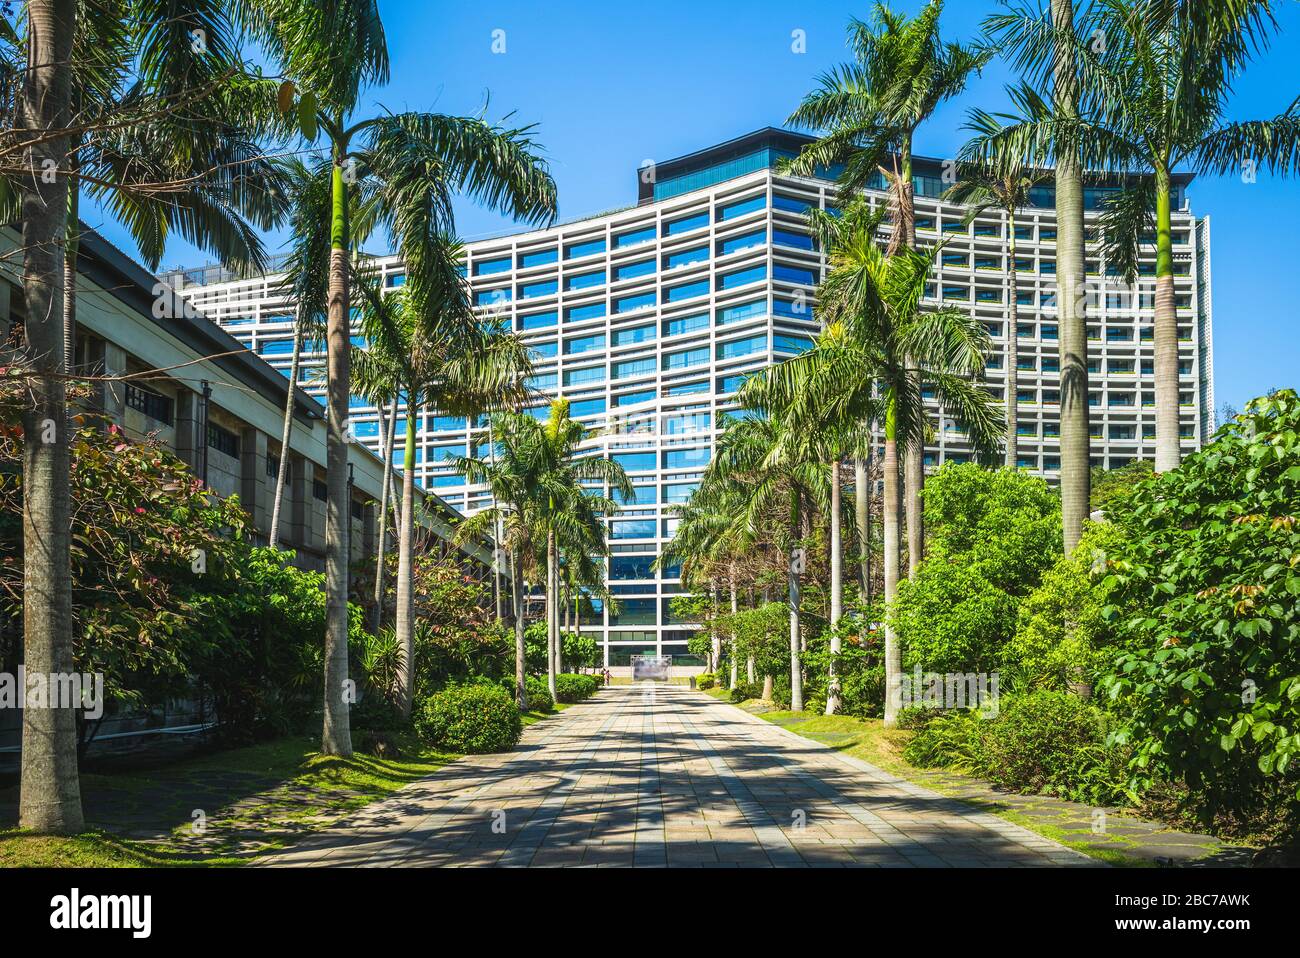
650,318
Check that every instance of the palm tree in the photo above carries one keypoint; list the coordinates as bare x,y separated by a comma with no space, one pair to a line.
889,350
508,474
1006,190
50,793
425,346
871,109
1175,63
801,389
1051,45
567,514
767,474
709,543
331,52
173,149
181,150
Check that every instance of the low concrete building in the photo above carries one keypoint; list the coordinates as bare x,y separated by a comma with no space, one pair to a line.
214,403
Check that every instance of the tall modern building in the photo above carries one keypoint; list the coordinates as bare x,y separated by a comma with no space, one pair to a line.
648,318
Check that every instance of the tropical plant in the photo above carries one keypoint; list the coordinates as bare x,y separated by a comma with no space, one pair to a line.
426,346
871,109
770,475
412,163
801,390
1156,79
537,475
1047,45
1206,582
889,350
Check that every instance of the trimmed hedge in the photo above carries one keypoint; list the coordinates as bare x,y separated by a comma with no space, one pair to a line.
470,719
571,687
706,680
539,696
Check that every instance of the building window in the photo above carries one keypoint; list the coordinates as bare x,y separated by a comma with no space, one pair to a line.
685,324
586,280
686,223
223,440
634,237
632,270
319,490
745,241
152,404
589,248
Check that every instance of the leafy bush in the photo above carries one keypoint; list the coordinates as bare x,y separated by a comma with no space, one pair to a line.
1206,587
1062,638
991,534
705,680
1044,741
952,619
742,691
470,719
945,739
570,687
1034,745
539,695
1003,523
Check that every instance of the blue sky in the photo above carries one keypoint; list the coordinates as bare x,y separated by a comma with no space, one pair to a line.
611,85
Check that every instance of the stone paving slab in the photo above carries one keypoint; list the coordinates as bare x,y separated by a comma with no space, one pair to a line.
661,776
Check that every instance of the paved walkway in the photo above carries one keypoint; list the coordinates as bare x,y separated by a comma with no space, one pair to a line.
664,776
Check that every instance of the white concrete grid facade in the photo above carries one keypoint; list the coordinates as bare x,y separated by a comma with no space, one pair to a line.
648,318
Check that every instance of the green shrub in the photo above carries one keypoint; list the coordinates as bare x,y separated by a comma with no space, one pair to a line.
570,687
470,719
1206,597
1062,637
742,691
539,695
946,739
1033,745
706,680
1044,741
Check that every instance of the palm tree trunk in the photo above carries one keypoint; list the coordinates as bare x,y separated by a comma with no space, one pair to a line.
521,649
862,517
388,434
796,670
750,675
71,245
893,655
837,592
735,607
715,643
286,433
336,733
914,482
406,563
1013,353
1070,301
1168,442
551,617
559,633
767,688
914,456
50,791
